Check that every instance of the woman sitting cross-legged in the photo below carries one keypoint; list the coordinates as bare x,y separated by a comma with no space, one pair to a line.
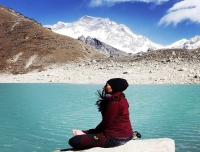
115,128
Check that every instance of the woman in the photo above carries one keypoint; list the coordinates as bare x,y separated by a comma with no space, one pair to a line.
115,128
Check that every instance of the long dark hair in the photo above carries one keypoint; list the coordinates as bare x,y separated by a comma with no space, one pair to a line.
102,100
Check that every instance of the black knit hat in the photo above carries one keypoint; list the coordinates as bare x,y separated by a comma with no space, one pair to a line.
118,84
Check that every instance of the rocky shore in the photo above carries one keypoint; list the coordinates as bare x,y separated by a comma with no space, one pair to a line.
165,71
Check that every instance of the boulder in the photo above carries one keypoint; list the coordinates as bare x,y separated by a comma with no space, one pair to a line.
148,145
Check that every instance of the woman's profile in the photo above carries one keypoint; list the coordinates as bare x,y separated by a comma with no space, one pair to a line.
115,128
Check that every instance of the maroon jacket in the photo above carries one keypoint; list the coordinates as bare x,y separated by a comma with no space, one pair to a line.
115,118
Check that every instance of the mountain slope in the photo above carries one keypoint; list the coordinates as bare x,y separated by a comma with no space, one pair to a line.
26,45
102,47
117,36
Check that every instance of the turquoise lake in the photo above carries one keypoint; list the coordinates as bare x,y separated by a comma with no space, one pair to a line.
40,117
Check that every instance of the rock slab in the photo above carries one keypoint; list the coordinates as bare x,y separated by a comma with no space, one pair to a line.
148,145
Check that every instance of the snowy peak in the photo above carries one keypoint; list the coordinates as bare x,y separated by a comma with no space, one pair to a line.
95,20
177,44
116,35
192,43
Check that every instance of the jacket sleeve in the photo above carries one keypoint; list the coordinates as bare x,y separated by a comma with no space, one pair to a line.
108,117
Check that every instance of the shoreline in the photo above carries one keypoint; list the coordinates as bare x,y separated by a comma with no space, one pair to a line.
93,72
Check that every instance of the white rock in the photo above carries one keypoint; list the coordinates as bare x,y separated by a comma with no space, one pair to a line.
149,145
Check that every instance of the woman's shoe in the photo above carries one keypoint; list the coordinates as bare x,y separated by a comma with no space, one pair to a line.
136,135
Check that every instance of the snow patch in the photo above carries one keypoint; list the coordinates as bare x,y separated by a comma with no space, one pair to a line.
15,57
12,28
31,60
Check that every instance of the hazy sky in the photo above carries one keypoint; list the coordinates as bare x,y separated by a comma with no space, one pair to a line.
162,21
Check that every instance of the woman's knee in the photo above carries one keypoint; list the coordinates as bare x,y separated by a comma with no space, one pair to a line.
74,142
71,142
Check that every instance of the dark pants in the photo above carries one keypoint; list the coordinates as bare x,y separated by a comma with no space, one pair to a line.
96,140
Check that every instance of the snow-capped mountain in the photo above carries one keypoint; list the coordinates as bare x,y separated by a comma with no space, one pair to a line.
192,43
116,35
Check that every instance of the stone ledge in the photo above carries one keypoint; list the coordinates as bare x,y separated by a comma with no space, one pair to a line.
148,145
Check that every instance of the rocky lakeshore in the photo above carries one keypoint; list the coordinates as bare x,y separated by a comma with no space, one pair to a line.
138,69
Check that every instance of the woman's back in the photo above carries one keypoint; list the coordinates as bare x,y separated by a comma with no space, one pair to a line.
118,109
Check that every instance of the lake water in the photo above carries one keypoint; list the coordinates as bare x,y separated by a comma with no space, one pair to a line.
40,117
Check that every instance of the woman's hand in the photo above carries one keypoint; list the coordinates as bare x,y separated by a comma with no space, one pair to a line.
77,132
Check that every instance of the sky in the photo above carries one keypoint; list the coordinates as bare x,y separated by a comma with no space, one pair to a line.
162,21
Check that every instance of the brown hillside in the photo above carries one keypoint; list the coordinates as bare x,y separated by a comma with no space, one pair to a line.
26,45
